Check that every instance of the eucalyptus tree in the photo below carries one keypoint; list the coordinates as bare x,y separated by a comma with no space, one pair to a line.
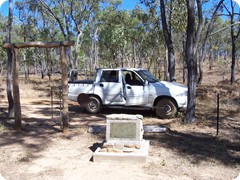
167,31
28,31
71,17
36,26
112,37
235,31
59,20
136,31
94,30
194,28
142,37
172,15
209,29
128,38
153,44
219,44
3,59
10,57
89,51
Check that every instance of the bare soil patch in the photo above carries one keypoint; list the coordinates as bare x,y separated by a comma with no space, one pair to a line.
41,151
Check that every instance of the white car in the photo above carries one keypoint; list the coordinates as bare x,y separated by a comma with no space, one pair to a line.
129,88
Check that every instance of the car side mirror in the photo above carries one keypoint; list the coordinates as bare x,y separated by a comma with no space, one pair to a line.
145,83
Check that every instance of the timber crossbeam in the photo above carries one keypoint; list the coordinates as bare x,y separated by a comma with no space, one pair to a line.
38,44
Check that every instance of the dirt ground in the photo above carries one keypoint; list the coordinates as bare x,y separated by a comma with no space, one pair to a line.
41,151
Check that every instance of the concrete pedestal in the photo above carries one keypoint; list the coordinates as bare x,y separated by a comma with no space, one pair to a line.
124,140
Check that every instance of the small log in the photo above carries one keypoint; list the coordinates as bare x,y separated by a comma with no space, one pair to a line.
97,129
155,128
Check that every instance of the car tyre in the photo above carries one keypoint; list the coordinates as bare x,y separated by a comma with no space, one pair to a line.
94,105
166,108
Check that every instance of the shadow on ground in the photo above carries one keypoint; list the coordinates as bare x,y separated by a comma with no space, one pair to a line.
198,146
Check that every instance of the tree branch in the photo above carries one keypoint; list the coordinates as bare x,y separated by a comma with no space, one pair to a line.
56,18
200,22
227,9
224,28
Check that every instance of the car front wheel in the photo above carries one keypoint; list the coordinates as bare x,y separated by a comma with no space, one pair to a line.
166,108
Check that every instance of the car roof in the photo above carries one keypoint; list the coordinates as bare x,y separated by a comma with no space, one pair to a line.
121,69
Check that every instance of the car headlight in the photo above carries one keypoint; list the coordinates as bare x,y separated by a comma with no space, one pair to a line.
182,94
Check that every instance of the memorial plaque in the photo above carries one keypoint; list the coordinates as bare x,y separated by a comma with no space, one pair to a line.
123,130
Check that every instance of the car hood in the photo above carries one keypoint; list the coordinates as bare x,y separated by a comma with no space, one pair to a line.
169,88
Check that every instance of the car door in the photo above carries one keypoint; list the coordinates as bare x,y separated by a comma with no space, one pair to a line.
135,92
110,88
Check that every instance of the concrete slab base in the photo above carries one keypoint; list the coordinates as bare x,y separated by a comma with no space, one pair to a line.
124,155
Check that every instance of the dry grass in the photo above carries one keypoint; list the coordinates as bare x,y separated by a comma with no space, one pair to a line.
194,151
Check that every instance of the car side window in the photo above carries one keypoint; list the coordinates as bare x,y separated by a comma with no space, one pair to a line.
132,79
109,76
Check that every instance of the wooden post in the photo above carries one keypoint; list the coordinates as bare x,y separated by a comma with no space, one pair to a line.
217,114
64,90
16,94
52,101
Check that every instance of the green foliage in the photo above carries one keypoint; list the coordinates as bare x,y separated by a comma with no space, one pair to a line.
108,36
3,35
220,42
2,127
3,25
179,16
36,23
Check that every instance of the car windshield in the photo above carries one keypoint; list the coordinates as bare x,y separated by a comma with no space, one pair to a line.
145,75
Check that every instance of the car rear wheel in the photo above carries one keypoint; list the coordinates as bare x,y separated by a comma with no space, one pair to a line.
94,105
166,108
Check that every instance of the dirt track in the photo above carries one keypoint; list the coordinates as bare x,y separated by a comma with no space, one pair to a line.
41,151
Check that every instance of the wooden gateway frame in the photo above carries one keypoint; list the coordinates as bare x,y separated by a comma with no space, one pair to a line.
15,80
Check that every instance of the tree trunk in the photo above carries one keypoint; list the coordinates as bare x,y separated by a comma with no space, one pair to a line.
25,66
43,68
191,63
140,60
134,54
184,68
237,62
75,65
168,40
122,56
35,65
96,64
233,38
233,69
49,66
210,60
1,68
166,72
9,87
171,60
9,65
95,57
200,67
